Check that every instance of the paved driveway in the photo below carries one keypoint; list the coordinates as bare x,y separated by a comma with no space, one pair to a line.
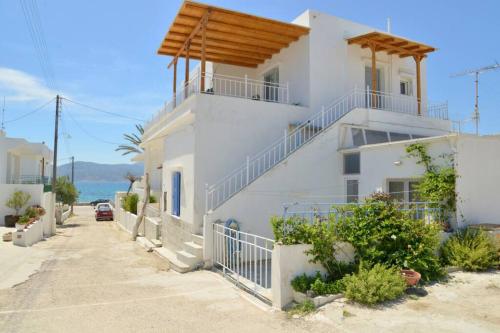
93,279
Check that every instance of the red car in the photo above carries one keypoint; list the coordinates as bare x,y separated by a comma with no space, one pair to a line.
104,212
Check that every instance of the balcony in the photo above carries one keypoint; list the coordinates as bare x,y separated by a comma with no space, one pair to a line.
29,179
223,85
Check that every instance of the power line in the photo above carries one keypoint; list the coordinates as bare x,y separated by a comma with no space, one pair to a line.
34,25
102,110
88,133
31,112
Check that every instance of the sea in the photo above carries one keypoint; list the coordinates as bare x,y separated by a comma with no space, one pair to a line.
90,191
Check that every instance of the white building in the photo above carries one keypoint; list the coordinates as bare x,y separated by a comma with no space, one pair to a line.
280,112
25,166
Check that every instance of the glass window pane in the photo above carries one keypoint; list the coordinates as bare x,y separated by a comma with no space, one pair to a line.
352,190
399,136
416,136
396,190
357,137
352,163
373,137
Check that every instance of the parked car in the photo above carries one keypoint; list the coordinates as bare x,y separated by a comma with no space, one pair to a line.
98,201
104,212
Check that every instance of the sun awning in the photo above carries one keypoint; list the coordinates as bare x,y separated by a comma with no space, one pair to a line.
391,44
230,37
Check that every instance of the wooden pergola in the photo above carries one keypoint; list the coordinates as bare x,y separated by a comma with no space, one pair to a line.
378,41
209,33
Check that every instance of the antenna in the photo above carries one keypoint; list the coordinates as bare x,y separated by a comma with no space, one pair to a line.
3,115
476,73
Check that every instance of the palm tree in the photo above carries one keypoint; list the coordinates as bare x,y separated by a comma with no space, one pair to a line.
132,179
134,140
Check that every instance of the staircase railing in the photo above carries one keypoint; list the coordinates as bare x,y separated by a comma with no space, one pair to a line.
279,150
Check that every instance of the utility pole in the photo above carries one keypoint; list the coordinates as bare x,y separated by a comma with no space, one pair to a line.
476,73
56,130
72,169
3,116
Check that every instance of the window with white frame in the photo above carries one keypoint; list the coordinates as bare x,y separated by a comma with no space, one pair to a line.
352,163
403,190
405,87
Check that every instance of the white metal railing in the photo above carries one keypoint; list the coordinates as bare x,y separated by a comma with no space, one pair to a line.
29,179
311,212
223,85
244,257
260,163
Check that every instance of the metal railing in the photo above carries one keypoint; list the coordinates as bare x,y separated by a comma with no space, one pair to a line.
312,212
243,257
29,179
279,150
223,85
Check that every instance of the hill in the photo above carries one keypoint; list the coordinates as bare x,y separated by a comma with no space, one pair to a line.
90,171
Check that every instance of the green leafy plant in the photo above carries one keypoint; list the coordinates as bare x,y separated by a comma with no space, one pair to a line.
291,230
438,183
471,249
302,309
322,287
302,283
134,142
18,200
23,219
152,199
374,285
31,212
383,234
130,203
66,191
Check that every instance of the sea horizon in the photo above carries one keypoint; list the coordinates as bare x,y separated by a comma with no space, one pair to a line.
94,190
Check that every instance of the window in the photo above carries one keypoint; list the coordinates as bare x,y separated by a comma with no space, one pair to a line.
176,193
399,136
352,190
404,190
357,137
397,190
405,87
271,85
352,163
373,137
416,136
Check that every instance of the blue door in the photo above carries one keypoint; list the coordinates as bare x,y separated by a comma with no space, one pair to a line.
176,193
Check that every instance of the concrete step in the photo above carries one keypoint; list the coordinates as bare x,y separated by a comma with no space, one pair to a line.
156,242
175,263
194,249
197,239
187,258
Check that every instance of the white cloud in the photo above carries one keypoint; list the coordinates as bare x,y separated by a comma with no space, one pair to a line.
19,86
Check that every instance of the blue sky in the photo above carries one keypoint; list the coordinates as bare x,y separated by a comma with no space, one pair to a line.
104,54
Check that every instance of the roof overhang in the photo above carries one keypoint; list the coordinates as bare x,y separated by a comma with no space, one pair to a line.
231,37
391,44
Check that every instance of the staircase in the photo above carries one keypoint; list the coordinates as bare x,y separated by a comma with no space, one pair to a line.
186,259
256,166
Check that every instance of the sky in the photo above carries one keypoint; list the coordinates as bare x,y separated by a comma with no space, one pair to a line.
103,54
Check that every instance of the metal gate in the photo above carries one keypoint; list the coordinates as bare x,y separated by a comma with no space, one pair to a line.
244,258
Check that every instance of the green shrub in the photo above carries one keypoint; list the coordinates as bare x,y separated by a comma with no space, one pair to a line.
381,233
291,230
375,285
321,287
470,249
66,191
31,212
23,219
302,309
130,203
18,200
302,283
152,199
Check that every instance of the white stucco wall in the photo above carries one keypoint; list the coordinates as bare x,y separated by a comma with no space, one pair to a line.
6,190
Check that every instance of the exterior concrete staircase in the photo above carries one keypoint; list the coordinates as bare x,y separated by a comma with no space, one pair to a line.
186,259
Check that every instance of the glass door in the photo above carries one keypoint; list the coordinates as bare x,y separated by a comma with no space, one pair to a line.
377,100
271,84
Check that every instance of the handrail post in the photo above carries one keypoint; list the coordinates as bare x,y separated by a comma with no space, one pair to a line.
246,85
368,99
248,169
323,117
284,152
206,198
287,93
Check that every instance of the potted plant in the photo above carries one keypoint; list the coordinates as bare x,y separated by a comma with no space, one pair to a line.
411,277
22,222
17,201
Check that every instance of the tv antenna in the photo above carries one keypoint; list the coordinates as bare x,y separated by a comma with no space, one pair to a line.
476,73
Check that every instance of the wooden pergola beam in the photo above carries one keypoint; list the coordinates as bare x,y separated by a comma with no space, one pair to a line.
215,57
418,59
196,47
402,52
193,33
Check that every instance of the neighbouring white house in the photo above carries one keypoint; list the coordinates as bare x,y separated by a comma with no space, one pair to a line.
25,166
317,110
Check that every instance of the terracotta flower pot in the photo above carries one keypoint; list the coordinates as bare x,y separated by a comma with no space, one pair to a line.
411,276
10,220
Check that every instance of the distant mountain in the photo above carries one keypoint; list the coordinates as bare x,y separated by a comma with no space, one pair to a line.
90,171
